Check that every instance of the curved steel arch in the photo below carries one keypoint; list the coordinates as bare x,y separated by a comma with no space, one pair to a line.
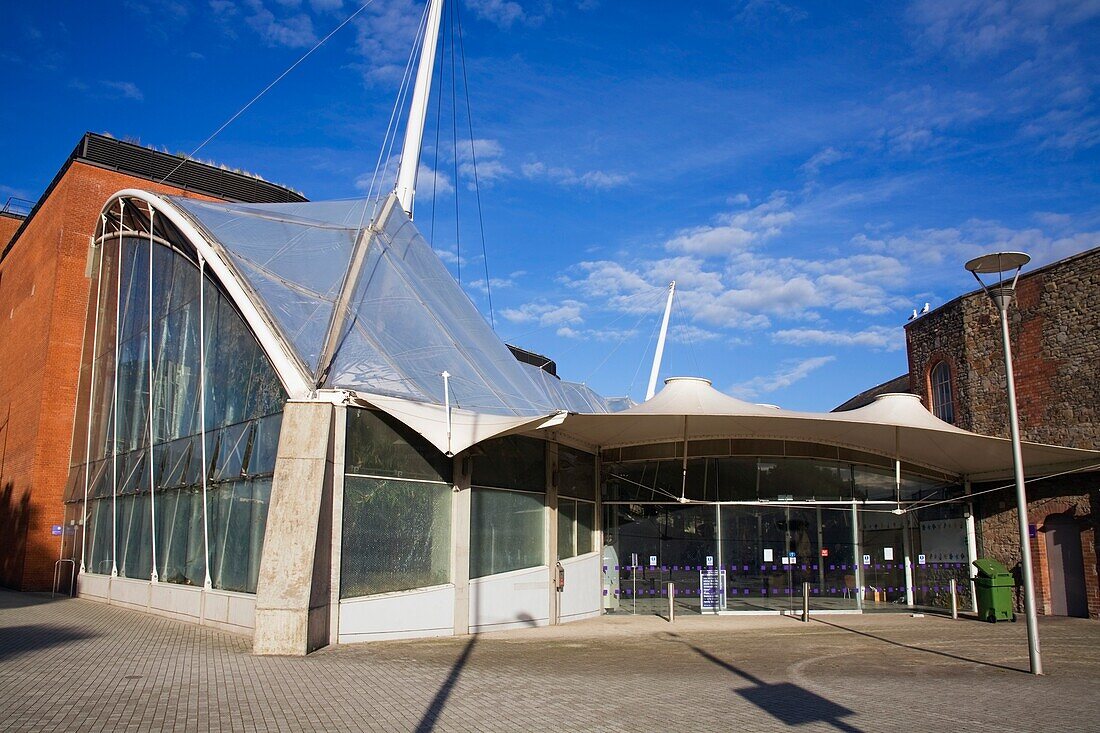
284,360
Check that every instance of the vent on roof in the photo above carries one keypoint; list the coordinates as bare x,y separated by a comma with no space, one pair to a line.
524,356
135,159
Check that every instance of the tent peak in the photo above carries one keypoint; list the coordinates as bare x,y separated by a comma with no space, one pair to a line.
704,380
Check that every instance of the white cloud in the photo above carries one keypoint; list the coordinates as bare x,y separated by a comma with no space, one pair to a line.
822,158
565,176
295,31
788,373
503,13
123,89
976,28
733,232
546,314
384,37
487,156
879,338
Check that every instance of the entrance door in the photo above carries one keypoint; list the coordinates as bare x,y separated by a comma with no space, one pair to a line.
1066,566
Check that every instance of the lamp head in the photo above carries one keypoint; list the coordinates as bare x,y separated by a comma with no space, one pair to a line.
999,263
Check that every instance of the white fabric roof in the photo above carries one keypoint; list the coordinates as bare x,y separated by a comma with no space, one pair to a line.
894,425
366,305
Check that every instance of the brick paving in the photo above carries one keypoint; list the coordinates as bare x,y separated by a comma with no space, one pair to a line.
80,665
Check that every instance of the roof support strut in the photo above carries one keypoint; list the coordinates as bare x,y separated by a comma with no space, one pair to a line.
418,111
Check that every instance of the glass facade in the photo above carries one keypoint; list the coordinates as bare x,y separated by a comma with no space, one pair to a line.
397,509
177,402
508,506
770,523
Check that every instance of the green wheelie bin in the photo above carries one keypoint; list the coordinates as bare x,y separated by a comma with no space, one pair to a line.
994,586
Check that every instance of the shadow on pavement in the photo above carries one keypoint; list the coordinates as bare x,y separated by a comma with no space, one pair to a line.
431,715
17,640
10,599
884,640
787,702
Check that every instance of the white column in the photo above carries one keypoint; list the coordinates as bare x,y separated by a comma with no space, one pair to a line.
856,557
114,405
207,583
152,478
971,547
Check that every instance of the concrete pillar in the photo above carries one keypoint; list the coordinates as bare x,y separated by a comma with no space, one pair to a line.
460,542
339,430
293,593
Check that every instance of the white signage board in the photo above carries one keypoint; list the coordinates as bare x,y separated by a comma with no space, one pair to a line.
866,559
769,556
887,553
712,590
652,561
710,561
922,560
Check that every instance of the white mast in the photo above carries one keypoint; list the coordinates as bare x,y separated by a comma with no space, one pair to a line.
418,111
660,344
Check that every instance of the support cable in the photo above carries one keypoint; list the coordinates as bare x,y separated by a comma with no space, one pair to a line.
473,161
454,146
265,90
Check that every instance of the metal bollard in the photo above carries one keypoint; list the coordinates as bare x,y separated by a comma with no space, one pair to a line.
671,602
954,600
805,602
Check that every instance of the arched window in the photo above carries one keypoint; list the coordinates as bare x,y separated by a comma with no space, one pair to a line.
943,402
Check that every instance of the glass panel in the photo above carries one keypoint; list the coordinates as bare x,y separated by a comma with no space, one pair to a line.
265,444
100,527
586,525
135,548
237,513
180,546
576,473
513,462
567,520
397,536
381,446
506,532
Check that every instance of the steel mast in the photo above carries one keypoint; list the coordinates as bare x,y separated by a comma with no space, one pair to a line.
418,111
660,344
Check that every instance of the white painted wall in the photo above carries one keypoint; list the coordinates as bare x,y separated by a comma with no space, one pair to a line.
403,615
221,609
581,597
514,600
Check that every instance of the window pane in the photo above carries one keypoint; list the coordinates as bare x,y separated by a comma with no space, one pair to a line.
586,525
506,532
179,537
567,519
378,445
397,536
237,513
576,473
513,462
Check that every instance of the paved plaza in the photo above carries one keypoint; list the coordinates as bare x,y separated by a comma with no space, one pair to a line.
80,665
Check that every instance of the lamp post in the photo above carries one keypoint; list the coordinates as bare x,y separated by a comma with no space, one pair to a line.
1000,263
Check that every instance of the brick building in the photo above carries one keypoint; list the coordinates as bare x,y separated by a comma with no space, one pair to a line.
43,301
956,367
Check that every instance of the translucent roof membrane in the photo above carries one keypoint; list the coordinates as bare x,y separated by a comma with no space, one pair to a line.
293,256
404,319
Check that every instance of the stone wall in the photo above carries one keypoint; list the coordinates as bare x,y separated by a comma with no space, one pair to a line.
1054,327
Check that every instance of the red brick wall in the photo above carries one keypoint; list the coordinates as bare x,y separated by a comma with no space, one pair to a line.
43,302
8,225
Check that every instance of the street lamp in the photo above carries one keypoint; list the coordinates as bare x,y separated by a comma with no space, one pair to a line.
1000,263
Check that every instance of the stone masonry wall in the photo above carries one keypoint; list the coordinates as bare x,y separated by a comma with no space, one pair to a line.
1054,327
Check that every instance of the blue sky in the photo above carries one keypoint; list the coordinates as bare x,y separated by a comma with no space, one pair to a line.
807,173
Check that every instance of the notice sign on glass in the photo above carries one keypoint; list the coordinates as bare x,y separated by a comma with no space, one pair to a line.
712,590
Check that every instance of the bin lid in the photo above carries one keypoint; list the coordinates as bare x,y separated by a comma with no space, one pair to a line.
990,568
